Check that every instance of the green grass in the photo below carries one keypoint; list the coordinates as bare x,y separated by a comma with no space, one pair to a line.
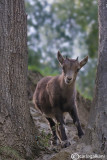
83,94
45,71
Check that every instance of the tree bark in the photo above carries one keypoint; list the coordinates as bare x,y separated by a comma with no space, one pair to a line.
16,126
96,133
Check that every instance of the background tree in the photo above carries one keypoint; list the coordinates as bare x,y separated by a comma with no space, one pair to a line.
16,126
96,134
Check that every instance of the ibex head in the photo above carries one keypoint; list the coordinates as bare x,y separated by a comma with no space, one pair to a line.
70,67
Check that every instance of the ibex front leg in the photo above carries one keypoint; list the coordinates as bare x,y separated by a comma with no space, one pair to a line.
76,121
52,126
61,131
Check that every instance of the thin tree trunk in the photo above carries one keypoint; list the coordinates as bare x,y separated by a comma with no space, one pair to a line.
16,126
96,133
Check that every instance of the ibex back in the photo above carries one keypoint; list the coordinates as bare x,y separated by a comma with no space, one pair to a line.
56,95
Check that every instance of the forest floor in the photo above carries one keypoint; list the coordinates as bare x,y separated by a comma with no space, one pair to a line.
51,152
48,151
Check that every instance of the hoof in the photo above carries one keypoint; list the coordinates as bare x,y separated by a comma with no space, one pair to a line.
65,144
54,142
80,134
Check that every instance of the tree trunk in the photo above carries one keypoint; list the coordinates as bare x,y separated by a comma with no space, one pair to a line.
16,126
96,132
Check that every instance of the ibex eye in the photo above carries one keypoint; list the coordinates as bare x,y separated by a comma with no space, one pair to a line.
63,67
78,70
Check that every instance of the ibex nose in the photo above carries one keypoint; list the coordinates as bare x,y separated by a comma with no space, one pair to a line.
69,79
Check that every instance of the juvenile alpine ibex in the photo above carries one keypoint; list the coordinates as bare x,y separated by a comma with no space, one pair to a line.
56,95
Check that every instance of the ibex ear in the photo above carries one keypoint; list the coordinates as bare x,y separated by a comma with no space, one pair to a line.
83,62
60,58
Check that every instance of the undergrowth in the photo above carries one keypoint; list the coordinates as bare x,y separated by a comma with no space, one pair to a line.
8,153
43,141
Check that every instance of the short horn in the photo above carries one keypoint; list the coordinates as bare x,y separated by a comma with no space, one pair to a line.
77,59
66,57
